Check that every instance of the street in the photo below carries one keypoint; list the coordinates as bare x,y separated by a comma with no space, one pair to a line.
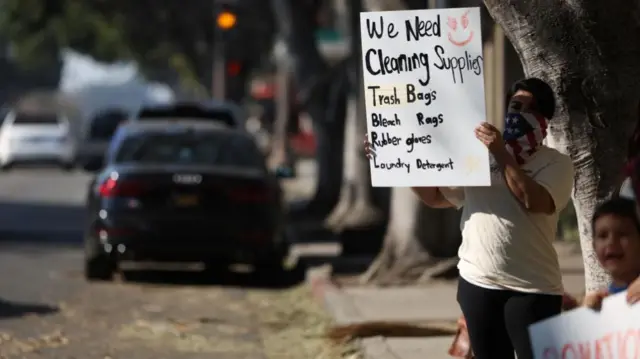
48,310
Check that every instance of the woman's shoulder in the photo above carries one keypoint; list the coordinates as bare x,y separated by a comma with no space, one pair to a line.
551,159
550,162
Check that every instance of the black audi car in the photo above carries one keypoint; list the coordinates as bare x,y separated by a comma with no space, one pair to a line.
182,191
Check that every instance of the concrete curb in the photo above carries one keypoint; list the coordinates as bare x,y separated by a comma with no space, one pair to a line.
328,293
319,279
342,308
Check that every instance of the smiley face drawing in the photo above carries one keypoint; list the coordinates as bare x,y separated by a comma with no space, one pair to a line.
458,37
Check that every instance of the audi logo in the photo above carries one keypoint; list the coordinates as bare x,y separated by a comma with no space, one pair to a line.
187,179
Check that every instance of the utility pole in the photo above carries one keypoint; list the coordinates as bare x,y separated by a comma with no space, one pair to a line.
224,20
218,72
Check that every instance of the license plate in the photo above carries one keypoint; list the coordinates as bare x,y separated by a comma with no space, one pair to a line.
186,200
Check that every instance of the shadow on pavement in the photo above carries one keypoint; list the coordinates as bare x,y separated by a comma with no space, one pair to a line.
219,277
37,223
365,241
14,310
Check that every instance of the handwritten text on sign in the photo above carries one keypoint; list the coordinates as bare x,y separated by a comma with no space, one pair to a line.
424,91
614,333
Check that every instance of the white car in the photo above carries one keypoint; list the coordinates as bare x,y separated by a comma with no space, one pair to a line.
27,137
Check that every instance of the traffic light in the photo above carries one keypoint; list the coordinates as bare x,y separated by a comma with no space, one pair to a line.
236,80
234,68
226,18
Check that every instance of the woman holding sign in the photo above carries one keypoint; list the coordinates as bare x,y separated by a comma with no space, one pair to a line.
509,271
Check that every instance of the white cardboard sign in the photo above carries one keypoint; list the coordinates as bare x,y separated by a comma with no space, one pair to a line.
424,91
613,333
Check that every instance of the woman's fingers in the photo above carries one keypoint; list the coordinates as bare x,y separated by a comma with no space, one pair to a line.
369,152
368,149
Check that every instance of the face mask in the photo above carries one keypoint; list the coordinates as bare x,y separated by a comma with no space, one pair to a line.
523,133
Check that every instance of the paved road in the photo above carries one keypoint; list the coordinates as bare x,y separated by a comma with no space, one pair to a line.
47,310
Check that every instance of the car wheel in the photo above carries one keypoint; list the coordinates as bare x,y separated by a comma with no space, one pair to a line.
99,268
270,272
272,264
6,166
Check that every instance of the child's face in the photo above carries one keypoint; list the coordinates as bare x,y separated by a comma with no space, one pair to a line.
617,245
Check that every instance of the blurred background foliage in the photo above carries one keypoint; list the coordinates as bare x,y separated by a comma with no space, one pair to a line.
156,34
568,224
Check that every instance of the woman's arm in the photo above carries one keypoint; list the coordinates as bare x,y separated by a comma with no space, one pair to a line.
531,194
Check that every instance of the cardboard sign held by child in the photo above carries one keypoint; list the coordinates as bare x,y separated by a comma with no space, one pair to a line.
614,332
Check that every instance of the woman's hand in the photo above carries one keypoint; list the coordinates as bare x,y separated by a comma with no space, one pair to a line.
368,148
491,137
594,300
633,292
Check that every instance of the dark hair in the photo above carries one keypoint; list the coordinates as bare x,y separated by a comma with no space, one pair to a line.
618,206
544,99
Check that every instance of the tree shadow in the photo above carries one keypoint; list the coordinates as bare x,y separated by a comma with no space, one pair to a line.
44,225
9,309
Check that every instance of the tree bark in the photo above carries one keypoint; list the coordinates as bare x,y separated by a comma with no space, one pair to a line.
589,52
326,107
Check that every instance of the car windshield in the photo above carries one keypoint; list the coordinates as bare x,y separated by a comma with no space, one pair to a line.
22,118
212,148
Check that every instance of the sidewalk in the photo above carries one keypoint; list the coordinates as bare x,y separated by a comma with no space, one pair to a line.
433,303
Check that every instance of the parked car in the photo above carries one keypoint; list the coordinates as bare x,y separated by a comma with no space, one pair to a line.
36,138
96,134
183,191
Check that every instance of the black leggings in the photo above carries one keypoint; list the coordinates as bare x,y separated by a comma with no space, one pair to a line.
498,320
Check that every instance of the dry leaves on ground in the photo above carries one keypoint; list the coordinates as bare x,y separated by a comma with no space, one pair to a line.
293,325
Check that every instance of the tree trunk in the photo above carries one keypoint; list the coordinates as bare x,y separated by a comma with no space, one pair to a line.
589,52
280,154
356,208
326,108
420,243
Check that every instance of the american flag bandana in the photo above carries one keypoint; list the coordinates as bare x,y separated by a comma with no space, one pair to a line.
523,134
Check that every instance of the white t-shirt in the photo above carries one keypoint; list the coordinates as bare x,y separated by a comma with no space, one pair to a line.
504,246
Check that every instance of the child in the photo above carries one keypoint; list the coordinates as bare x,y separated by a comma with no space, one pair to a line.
616,241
